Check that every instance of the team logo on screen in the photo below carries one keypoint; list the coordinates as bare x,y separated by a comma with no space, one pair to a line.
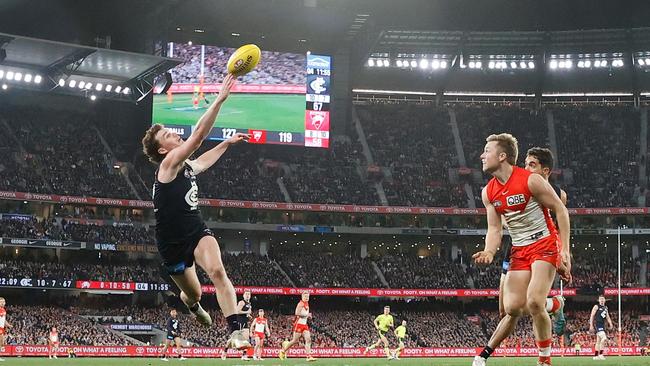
318,85
317,119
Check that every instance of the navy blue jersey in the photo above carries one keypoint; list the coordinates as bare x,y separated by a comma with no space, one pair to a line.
173,327
243,318
601,316
176,207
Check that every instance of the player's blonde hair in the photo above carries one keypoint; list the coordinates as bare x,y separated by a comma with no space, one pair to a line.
508,144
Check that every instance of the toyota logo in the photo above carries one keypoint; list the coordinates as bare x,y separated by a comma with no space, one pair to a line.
19,349
139,350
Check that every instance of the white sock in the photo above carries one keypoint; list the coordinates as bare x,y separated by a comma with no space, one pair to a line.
549,304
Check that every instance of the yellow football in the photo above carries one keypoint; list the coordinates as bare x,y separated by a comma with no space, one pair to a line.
244,59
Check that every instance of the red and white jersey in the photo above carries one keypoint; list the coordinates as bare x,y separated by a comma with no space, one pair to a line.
302,319
260,325
54,337
3,318
527,220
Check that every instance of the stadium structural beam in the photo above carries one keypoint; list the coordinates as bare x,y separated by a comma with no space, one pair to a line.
453,68
362,49
541,69
631,67
144,83
71,61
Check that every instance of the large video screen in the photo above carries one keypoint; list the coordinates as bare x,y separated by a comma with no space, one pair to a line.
284,100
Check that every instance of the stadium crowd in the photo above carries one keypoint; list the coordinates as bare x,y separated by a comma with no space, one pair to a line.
418,158
330,327
324,269
416,166
32,324
275,68
75,163
309,268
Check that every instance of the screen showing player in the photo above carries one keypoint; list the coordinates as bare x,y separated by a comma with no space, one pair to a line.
284,100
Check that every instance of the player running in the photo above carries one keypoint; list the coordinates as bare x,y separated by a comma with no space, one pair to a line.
524,200
400,334
244,311
181,235
4,324
539,161
300,329
383,323
599,314
173,335
260,329
53,343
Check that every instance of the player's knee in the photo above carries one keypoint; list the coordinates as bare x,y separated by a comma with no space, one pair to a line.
536,306
513,310
191,296
217,273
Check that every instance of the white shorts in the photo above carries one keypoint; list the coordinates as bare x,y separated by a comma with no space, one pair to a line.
601,335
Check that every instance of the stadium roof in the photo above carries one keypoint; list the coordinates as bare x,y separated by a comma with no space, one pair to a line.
59,63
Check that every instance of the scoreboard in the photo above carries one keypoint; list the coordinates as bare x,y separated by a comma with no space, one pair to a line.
286,103
317,115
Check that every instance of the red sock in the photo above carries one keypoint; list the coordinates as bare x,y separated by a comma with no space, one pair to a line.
544,351
556,305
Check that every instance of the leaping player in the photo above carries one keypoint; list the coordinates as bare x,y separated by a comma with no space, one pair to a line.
539,161
300,329
600,313
53,343
383,323
4,324
260,329
181,235
524,200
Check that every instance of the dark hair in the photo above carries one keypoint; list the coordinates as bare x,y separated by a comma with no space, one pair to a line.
150,145
543,155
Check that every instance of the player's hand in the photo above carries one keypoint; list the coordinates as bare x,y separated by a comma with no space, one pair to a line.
591,329
564,267
227,84
235,139
483,257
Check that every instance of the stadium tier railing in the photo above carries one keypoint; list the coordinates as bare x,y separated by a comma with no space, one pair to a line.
114,286
206,352
313,207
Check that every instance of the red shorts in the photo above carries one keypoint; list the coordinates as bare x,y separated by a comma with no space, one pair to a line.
300,328
546,249
260,335
2,331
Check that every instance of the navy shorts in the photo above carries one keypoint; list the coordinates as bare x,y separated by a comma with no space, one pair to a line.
178,254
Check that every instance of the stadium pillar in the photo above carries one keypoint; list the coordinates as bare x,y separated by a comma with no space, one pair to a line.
264,247
364,250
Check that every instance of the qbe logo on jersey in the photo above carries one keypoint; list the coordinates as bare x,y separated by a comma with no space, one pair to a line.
515,200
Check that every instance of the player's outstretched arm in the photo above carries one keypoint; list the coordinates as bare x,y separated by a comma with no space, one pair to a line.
177,156
494,233
545,195
208,158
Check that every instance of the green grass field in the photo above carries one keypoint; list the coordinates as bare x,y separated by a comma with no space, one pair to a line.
271,112
499,361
